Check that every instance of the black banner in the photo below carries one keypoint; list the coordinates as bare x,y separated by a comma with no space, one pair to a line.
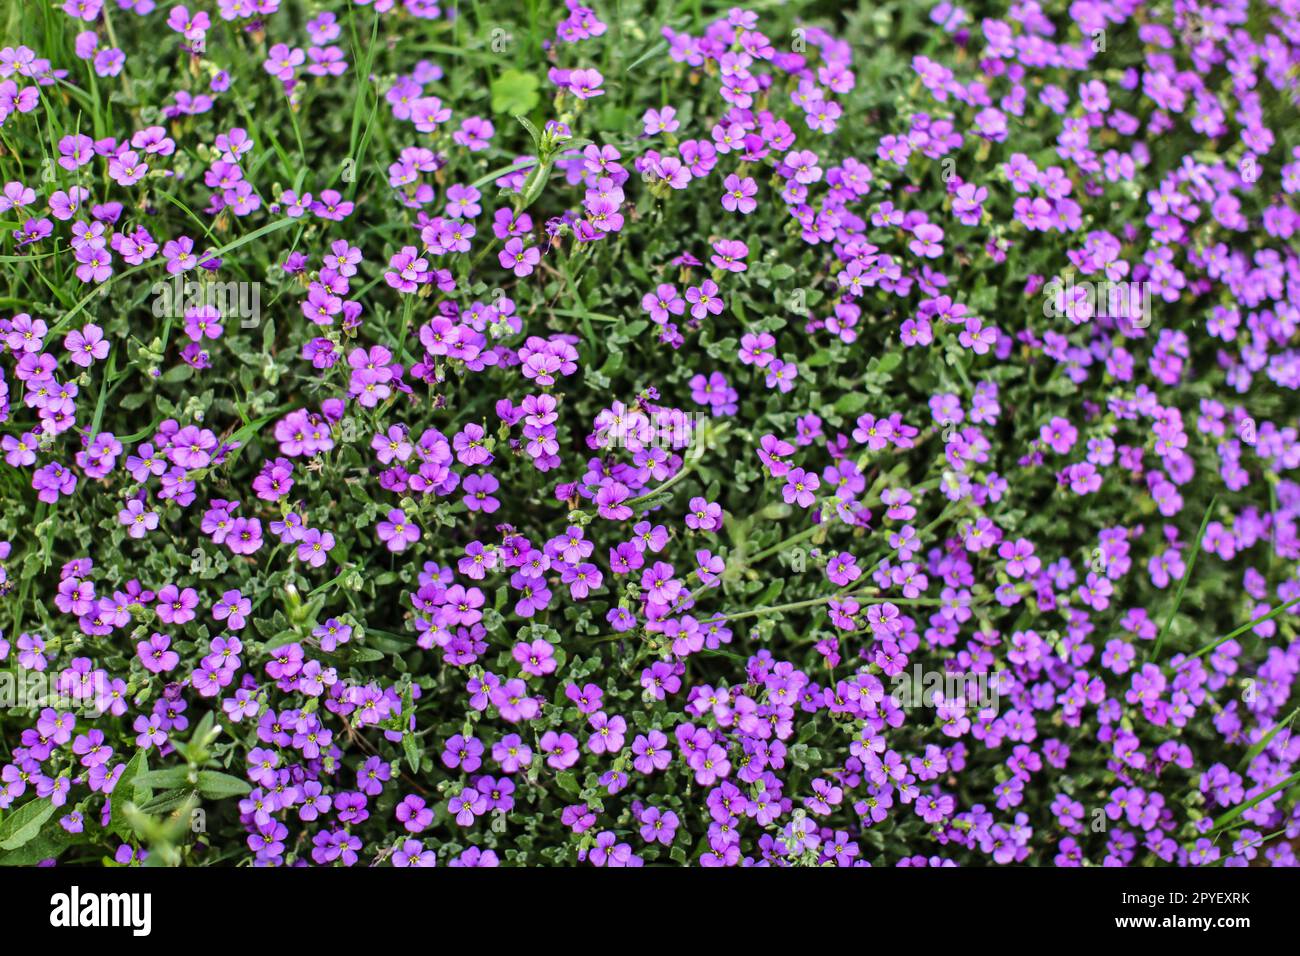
924,904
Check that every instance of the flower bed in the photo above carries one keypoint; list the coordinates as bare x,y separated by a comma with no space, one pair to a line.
662,434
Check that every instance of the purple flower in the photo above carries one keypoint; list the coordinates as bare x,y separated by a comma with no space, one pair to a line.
397,532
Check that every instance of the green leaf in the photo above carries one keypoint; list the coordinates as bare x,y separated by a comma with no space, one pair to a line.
514,92
411,747
656,49
165,802
138,765
129,787
216,785
888,362
204,729
52,841
534,133
388,643
23,824
534,184
851,403
772,592
281,639
169,779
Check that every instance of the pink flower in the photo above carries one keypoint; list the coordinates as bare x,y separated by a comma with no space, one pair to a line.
281,61
740,194
519,259
86,346
799,488
781,375
397,532
585,84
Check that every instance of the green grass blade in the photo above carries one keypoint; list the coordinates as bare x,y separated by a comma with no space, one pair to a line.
1182,584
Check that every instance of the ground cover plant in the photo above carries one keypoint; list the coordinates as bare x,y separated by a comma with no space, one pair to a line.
643,434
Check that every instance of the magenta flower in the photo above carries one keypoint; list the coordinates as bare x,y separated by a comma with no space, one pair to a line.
800,488
397,532
739,195
520,260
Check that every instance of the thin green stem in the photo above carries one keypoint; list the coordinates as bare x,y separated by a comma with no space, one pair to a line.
685,470
1182,583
